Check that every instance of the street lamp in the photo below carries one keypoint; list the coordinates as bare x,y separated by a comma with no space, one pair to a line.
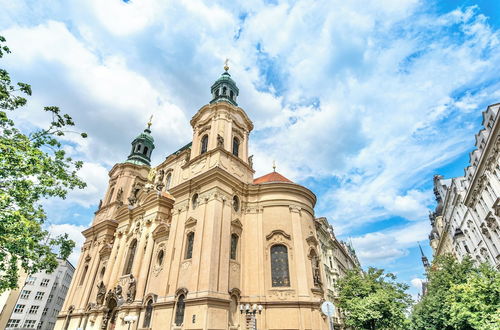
129,319
251,311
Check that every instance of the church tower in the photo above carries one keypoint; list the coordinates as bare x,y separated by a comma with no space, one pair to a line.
182,245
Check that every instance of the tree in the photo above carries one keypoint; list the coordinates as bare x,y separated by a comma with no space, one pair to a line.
33,166
459,296
373,300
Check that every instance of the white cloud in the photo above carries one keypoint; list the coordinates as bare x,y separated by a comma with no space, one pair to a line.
74,233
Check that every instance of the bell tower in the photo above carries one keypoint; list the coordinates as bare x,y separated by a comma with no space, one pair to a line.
142,147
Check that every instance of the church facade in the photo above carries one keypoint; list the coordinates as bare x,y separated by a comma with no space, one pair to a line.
183,244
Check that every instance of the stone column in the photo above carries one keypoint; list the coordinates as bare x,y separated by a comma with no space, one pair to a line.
146,265
111,261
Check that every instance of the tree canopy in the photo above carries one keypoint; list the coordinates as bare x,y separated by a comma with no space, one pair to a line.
373,300
33,166
459,296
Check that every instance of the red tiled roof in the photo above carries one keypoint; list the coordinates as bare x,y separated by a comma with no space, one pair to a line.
271,177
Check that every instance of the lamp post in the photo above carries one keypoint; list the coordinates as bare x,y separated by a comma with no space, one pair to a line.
129,319
251,311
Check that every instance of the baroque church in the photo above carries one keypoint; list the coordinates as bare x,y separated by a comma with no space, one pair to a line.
189,243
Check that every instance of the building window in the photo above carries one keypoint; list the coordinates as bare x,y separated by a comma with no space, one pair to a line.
236,146
130,257
40,325
19,308
138,148
189,246
167,181
145,151
234,246
50,299
45,282
13,323
179,311
231,94
31,280
279,265
45,310
236,203
84,274
103,271
25,294
29,324
204,144
33,309
39,295
194,201
159,257
149,313
224,90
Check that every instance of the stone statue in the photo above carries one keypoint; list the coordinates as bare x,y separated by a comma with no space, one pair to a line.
101,293
220,141
132,199
119,195
159,181
316,273
100,204
131,289
118,292
250,161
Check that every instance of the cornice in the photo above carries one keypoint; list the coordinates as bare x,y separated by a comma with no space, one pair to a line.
100,227
222,106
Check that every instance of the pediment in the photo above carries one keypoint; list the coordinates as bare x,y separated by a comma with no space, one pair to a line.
312,240
237,223
105,250
161,231
190,222
278,232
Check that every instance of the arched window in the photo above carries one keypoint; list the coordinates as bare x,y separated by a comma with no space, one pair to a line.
110,196
204,144
236,203
167,181
103,271
130,257
84,274
179,311
189,246
236,146
194,201
216,93
138,148
149,313
159,258
234,246
145,151
231,94
279,266
224,90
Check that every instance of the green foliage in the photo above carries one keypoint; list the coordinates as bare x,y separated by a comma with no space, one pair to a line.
32,167
459,296
373,300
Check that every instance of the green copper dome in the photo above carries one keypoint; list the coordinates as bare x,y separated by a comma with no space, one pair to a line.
224,89
142,147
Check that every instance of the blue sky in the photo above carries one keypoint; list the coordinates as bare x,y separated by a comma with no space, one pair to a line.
361,101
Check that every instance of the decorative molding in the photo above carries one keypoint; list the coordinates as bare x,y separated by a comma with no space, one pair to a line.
180,291
278,232
190,222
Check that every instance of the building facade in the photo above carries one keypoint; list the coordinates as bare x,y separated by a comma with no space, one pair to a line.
183,244
466,220
39,300
337,258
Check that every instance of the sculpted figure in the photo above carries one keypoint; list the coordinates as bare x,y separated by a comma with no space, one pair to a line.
132,199
119,195
118,292
131,289
220,141
250,161
101,293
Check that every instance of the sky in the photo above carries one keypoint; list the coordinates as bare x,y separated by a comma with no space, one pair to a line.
360,101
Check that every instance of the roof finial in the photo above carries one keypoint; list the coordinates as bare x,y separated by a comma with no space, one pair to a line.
274,166
226,66
150,122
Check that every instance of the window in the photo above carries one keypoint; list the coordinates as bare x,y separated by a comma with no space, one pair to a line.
19,308
159,257
45,311
13,323
204,144
31,280
194,201
103,271
39,295
167,181
236,146
25,294
149,313
224,90
130,258
331,264
189,246
234,246
145,151
279,265
138,148
50,299
84,274
231,94
40,324
30,324
45,282
236,203
34,309
179,311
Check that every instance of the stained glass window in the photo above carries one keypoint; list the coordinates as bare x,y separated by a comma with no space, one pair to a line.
279,266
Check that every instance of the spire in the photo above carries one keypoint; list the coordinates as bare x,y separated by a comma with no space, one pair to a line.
274,166
142,147
224,89
425,261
